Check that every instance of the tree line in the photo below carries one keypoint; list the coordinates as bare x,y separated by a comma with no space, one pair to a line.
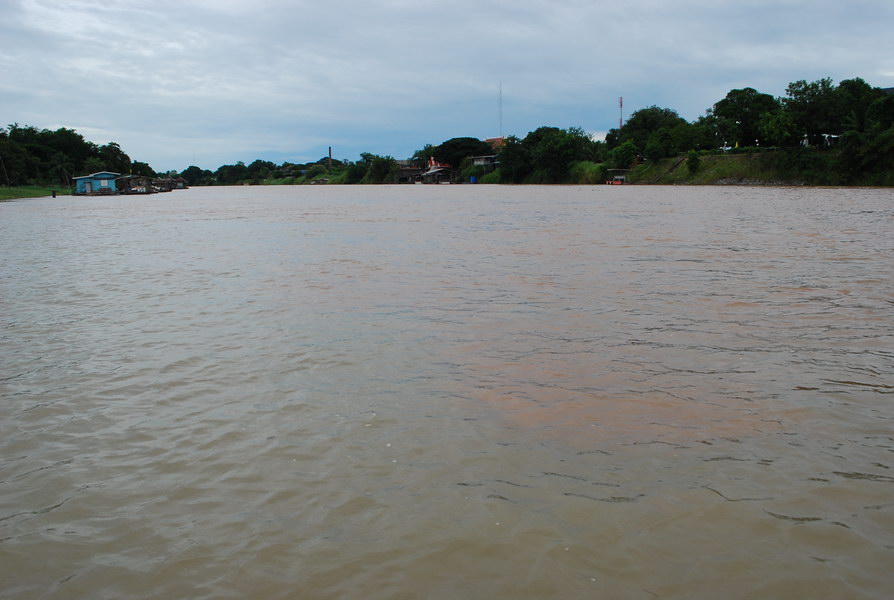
818,132
846,129
29,155
827,133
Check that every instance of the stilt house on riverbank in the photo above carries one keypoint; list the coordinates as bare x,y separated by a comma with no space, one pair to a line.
438,173
135,184
408,172
167,184
95,184
106,183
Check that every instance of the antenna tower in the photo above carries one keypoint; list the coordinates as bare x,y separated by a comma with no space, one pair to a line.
500,103
620,112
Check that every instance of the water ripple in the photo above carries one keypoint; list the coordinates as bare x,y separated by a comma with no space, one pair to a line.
442,391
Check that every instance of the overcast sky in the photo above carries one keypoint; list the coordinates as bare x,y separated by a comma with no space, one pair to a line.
212,82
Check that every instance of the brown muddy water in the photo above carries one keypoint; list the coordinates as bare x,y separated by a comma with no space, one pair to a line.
448,392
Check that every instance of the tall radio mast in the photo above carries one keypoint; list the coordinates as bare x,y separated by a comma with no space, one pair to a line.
621,112
500,103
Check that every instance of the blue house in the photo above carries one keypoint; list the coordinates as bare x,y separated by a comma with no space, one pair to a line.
96,183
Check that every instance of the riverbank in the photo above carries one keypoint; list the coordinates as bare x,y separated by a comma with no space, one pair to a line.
713,169
30,191
783,167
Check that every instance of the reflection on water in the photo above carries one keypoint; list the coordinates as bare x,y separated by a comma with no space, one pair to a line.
448,391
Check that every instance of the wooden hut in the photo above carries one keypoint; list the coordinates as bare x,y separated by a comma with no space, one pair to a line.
163,185
135,184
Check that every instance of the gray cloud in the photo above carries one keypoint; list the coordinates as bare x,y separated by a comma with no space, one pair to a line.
223,81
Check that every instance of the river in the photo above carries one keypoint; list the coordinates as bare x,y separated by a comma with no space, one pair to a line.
448,392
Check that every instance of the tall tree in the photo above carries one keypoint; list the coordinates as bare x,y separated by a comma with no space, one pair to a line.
870,152
455,150
141,168
642,124
855,97
381,169
777,128
114,158
515,160
815,109
742,110
420,157
193,175
231,174
622,156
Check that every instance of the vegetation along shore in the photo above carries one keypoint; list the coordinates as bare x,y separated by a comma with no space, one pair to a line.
819,133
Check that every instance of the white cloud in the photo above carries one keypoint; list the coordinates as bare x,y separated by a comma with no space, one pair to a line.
232,80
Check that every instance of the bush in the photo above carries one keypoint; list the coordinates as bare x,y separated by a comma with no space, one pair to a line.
493,177
315,171
538,177
585,172
809,165
693,161
472,171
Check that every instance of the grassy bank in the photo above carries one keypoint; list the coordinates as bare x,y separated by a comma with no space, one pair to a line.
782,167
30,191
713,169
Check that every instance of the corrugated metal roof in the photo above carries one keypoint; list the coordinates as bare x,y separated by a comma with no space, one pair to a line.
97,175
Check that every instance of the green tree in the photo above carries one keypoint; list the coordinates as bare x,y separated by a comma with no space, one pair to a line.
622,156
381,169
454,150
654,148
546,154
141,168
194,175
73,145
554,150
231,174
777,128
259,170
688,136
515,161
741,111
855,97
114,158
420,157
32,155
94,165
664,143
642,124
314,171
693,161
372,168
61,168
815,109
15,162
869,154
357,170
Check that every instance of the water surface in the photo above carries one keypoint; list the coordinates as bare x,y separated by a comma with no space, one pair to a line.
448,392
